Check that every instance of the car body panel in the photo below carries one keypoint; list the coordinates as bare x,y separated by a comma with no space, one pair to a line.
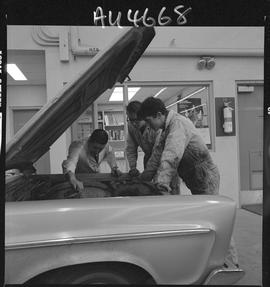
151,232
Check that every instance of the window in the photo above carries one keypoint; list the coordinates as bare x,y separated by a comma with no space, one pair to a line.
189,100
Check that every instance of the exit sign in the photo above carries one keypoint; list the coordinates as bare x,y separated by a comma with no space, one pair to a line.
245,89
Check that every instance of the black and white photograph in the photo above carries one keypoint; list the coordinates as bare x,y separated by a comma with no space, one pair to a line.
134,154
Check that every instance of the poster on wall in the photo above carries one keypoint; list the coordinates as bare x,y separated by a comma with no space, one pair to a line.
193,109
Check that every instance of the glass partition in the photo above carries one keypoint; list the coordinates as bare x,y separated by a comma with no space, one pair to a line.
189,100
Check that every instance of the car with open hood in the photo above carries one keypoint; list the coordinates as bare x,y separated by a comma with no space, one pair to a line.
131,234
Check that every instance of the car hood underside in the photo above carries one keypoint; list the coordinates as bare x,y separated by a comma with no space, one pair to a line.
109,66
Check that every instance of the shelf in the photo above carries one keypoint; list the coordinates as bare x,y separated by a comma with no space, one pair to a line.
119,127
84,122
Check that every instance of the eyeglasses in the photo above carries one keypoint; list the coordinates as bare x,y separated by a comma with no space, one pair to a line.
133,121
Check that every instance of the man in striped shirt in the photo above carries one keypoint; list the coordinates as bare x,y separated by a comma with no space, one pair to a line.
86,158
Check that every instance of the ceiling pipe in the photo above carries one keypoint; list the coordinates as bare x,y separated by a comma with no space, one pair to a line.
198,52
46,38
43,37
78,50
173,52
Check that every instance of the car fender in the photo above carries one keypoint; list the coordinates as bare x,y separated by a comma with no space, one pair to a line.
190,232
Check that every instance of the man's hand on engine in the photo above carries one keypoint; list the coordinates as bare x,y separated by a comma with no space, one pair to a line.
147,175
116,172
134,172
76,184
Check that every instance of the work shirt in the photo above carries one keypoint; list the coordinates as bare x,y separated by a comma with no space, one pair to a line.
180,148
79,159
136,138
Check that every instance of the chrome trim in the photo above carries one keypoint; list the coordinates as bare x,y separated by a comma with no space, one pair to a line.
104,238
224,276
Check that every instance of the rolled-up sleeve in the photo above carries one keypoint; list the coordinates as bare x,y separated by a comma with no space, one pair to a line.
175,144
73,156
131,150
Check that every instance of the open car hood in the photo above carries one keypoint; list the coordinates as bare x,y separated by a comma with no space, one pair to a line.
109,66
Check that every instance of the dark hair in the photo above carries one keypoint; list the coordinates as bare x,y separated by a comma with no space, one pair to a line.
134,107
99,136
150,107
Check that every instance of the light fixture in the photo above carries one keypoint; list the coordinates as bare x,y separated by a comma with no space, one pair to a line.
15,72
201,64
193,108
132,92
188,96
206,62
159,92
210,63
117,94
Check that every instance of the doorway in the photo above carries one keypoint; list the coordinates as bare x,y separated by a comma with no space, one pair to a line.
20,117
250,115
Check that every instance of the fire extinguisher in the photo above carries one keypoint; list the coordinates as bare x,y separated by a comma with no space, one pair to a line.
227,114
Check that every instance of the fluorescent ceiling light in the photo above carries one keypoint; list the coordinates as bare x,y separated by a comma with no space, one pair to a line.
188,96
117,94
193,108
15,72
158,93
132,92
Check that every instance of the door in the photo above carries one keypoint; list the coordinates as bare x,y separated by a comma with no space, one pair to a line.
20,117
250,114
